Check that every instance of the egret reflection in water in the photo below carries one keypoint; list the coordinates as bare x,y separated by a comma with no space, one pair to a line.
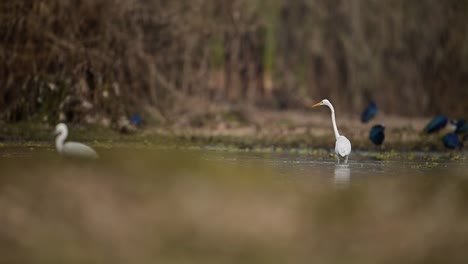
342,175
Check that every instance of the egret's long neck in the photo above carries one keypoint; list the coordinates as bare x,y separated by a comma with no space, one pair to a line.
60,140
335,129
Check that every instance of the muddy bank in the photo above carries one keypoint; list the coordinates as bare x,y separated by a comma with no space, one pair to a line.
248,130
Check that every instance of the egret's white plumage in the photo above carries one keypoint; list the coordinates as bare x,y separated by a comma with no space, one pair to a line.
342,145
73,149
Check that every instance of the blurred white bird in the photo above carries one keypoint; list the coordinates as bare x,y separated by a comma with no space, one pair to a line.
71,149
342,145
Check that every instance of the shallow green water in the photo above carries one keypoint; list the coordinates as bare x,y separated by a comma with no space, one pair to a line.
212,205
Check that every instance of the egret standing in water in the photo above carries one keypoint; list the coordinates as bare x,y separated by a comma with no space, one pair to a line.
342,145
377,134
71,149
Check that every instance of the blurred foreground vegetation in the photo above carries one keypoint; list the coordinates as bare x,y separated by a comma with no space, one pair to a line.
99,61
196,207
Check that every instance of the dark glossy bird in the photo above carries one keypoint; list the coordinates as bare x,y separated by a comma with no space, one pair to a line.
136,120
461,126
451,141
369,112
377,134
436,124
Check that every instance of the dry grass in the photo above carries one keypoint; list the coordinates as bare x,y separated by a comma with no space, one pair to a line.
99,61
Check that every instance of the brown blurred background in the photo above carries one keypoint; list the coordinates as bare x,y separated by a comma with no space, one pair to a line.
65,59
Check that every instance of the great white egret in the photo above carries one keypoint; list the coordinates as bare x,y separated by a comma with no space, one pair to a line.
71,149
377,135
436,124
369,112
342,145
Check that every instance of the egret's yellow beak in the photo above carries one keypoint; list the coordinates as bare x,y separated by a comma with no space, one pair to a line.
317,104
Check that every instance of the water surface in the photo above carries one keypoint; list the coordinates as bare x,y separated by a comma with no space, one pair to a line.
208,205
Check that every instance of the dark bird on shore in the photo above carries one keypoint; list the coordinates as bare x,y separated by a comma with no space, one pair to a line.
136,120
369,112
461,126
377,134
436,124
451,141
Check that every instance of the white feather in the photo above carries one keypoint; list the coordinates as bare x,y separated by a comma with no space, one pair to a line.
78,150
342,145
71,149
